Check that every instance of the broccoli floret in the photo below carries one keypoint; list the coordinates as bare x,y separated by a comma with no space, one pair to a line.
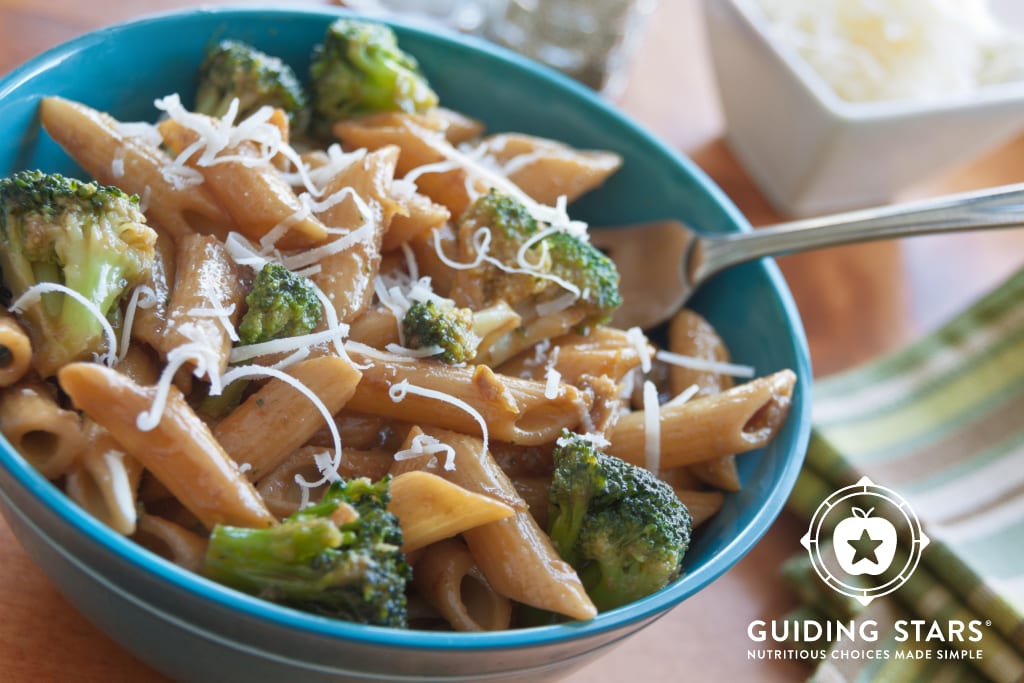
444,325
281,304
360,69
531,276
84,236
234,69
623,529
339,557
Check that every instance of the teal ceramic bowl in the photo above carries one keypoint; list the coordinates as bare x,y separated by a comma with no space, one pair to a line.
194,630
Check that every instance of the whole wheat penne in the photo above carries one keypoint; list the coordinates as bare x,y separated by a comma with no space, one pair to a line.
546,169
419,216
105,480
107,152
447,577
346,276
275,420
180,451
140,363
740,419
702,505
252,191
207,300
692,336
150,319
171,541
514,554
284,497
15,350
514,409
49,437
430,508
419,139
604,351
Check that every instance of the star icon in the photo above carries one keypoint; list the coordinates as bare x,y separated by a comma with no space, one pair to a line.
865,547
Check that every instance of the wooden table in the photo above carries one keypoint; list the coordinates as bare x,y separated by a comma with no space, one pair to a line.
857,302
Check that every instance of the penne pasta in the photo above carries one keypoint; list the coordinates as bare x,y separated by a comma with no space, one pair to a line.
49,437
207,300
514,409
430,509
250,189
514,554
737,420
692,336
283,497
346,276
108,152
547,170
105,480
180,451
275,420
15,350
450,581
171,541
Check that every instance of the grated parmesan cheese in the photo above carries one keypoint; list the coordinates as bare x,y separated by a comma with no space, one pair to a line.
652,428
705,364
638,339
398,392
424,444
135,302
867,50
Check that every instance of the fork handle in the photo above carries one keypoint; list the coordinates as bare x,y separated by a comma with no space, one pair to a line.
999,207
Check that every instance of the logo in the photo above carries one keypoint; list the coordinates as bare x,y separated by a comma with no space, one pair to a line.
864,541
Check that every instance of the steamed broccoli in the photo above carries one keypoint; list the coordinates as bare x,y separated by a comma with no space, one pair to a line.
281,304
360,69
234,69
530,276
444,325
623,529
84,236
339,557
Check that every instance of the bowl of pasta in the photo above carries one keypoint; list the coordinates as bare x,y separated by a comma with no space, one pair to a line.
310,370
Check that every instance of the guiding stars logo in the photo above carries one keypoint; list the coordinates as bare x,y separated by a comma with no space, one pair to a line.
864,530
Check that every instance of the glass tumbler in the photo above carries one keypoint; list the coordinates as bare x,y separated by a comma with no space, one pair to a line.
590,40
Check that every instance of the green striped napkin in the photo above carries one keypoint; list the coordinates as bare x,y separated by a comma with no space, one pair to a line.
942,423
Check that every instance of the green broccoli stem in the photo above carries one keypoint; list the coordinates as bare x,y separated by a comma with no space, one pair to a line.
285,559
565,529
601,590
102,281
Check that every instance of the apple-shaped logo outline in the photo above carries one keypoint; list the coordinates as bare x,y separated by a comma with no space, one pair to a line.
816,530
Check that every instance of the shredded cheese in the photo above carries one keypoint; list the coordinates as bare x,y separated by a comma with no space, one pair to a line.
652,428
704,364
868,50
424,444
143,297
121,488
398,392
636,337
34,294
203,358
683,396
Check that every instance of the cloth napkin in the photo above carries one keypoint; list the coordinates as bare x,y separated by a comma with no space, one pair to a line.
942,423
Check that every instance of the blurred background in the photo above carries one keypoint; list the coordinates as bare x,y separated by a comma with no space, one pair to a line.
654,60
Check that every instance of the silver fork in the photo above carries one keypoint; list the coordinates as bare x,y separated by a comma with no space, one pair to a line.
662,263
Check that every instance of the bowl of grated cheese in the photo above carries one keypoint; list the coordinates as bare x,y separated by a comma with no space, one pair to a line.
196,629
841,104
